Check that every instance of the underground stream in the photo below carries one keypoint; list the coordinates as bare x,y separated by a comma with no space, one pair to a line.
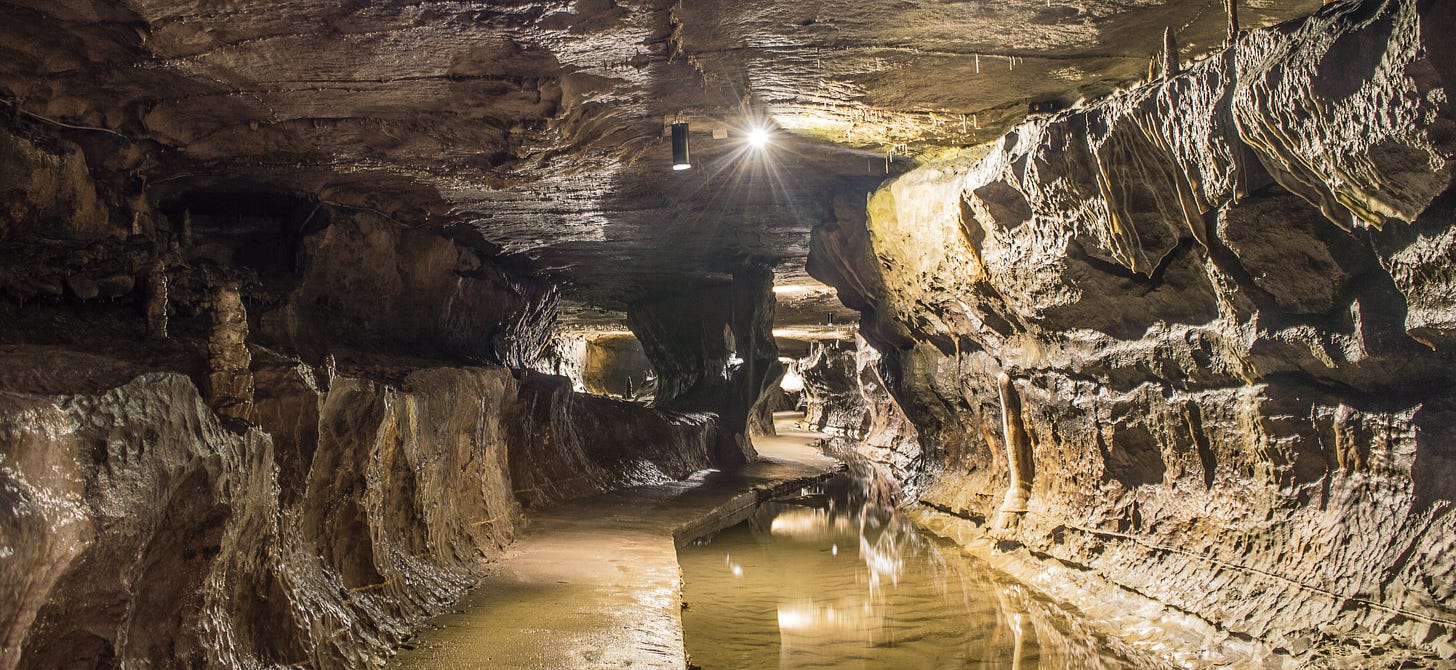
827,578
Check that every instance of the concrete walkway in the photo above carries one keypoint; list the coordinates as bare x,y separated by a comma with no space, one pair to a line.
595,583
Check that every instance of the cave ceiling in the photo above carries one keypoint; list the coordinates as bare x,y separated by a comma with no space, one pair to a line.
540,127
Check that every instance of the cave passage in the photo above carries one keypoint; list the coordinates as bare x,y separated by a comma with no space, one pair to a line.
342,334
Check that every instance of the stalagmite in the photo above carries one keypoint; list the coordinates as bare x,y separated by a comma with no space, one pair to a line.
229,380
185,238
1170,54
1018,455
157,301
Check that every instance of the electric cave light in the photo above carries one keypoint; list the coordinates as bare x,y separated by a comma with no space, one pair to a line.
680,158
758,137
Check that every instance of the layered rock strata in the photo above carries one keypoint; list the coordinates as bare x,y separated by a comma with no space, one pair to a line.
1224,303
300,514
142,530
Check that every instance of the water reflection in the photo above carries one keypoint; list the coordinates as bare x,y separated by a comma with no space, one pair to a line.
836,579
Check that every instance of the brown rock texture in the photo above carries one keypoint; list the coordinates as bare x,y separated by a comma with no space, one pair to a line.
1224,303
45,183
846,398
370,284
539,124
140,530
229,383
713,350
156,300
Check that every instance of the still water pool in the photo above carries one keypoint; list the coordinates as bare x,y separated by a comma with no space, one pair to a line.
827,580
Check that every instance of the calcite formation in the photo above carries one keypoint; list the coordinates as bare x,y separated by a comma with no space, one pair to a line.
229,383
156,300
1224,303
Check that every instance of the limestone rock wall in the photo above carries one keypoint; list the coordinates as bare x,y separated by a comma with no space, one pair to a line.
1224,302
47,184
847,399
141,529
371,284
713,350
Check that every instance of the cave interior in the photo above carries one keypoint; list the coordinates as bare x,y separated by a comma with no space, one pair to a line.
316,317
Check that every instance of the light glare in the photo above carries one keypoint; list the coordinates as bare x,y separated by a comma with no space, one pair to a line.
758,138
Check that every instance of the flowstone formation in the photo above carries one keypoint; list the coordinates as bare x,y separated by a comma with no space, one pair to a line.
1225,304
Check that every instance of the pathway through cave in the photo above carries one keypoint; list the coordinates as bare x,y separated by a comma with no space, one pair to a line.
595,583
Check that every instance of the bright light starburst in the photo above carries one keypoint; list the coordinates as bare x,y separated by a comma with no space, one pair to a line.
758,137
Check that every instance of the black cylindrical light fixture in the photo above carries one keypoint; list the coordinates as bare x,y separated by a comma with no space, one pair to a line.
680,159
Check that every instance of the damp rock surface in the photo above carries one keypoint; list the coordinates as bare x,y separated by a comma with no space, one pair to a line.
1220,301
142,528
847,399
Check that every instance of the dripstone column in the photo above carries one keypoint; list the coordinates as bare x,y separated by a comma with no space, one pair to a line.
157,301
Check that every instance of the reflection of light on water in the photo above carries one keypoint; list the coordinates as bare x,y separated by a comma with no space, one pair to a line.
843,617
884,557
807,524
900,604
1020,640
794,619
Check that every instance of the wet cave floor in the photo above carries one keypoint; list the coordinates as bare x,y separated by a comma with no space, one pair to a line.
825,580
780,564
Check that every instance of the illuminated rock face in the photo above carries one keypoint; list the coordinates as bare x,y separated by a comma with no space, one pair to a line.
1225,304
141,530
847,399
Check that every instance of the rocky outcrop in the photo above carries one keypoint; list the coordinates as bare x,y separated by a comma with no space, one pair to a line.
846,398
47,185
369,284
142,530
601,363
713,350
567,445
1223,305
